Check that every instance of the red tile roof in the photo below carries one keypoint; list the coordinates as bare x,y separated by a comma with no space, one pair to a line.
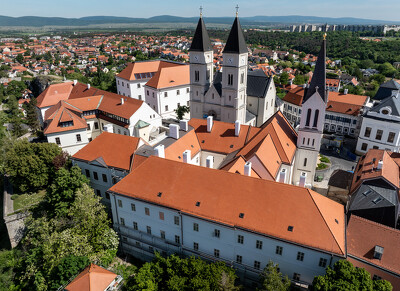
269,207
92,278
362,237
115,149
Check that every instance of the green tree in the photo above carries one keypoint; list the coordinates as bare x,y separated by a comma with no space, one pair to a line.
299,80
175,273
181,110
84,232
272,280
30,164
344,276
61,193
20,58
284,78
31,115
68,268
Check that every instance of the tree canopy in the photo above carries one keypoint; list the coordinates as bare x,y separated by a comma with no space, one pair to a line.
272,279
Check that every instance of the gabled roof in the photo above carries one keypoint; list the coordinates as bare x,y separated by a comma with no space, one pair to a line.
393,102
54,93
64,112
370,196
201,41
170,77
319,77
386,90
362,237
257,83
236,43
269,208
92,278
115,150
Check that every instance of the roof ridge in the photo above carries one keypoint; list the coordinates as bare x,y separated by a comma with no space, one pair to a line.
375,223
279,140
326,223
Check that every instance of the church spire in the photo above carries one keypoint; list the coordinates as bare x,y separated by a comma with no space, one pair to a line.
236,43
318,81
201,41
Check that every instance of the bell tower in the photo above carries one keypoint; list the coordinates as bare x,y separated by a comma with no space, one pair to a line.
311,124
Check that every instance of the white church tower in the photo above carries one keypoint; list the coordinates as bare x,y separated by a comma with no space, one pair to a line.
234,76
201,69
311,124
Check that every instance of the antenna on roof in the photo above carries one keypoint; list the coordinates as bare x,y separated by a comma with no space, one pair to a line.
237,10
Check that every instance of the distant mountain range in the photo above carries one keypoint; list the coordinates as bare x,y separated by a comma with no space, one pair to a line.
37,21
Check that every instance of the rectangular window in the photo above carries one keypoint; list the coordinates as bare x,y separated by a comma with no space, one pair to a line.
122,221
240,239
196,76
257,265
176,220
148,93
166,107
135,227
216,253
107,196
148,228
230,79
138,85
376,277
140,97
364,147
195,226
96,125
104,178
146,211
88,126
151,250
216,233
161,215
242,78
300,256
98,192
379,133
296,277
177,239
391,137
178,92
95,176
187,90
279,250
133,207
322,262
137,244
367,132
78,137
162,234
119,203
58,141
195,246
165,94
259,244
239,259
87,173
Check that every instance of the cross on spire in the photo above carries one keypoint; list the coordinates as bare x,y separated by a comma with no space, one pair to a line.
201,11
237,10
316,88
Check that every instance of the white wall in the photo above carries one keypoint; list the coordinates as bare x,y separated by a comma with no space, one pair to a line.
133,89
227,243
69,141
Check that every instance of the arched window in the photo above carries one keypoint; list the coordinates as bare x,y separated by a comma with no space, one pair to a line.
308,117
316,118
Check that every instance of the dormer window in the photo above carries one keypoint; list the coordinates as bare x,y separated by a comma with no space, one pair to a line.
378,252
386,111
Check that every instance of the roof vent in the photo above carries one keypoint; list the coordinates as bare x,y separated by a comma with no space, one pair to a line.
160,151
231,146
380,165
241,215
247,169
366,193
209,123
290,228
198,203
346,91
122,101
237,127
159,194
377,200
184,125
174,131
88,86
337,221
378,252
75,82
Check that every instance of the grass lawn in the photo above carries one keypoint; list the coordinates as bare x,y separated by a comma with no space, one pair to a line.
23,201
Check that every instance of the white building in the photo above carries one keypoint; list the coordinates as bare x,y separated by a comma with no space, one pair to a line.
163,85
380,127
227,217
74,114
225,95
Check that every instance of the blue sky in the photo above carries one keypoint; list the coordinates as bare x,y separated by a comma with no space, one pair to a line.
382,10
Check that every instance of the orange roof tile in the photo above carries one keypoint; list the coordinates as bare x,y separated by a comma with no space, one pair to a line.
92,278
295,96
362,237
225,195
115,149
64,113
54,93
187,142
170,77
237,166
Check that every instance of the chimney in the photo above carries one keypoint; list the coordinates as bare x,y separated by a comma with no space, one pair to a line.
187,156
75,82
247,169
282,176
304,86
160,151
237,127
210,162
122,101
174,131
184,125
291,82
209,123
302,182
380,165
88,86
346,91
